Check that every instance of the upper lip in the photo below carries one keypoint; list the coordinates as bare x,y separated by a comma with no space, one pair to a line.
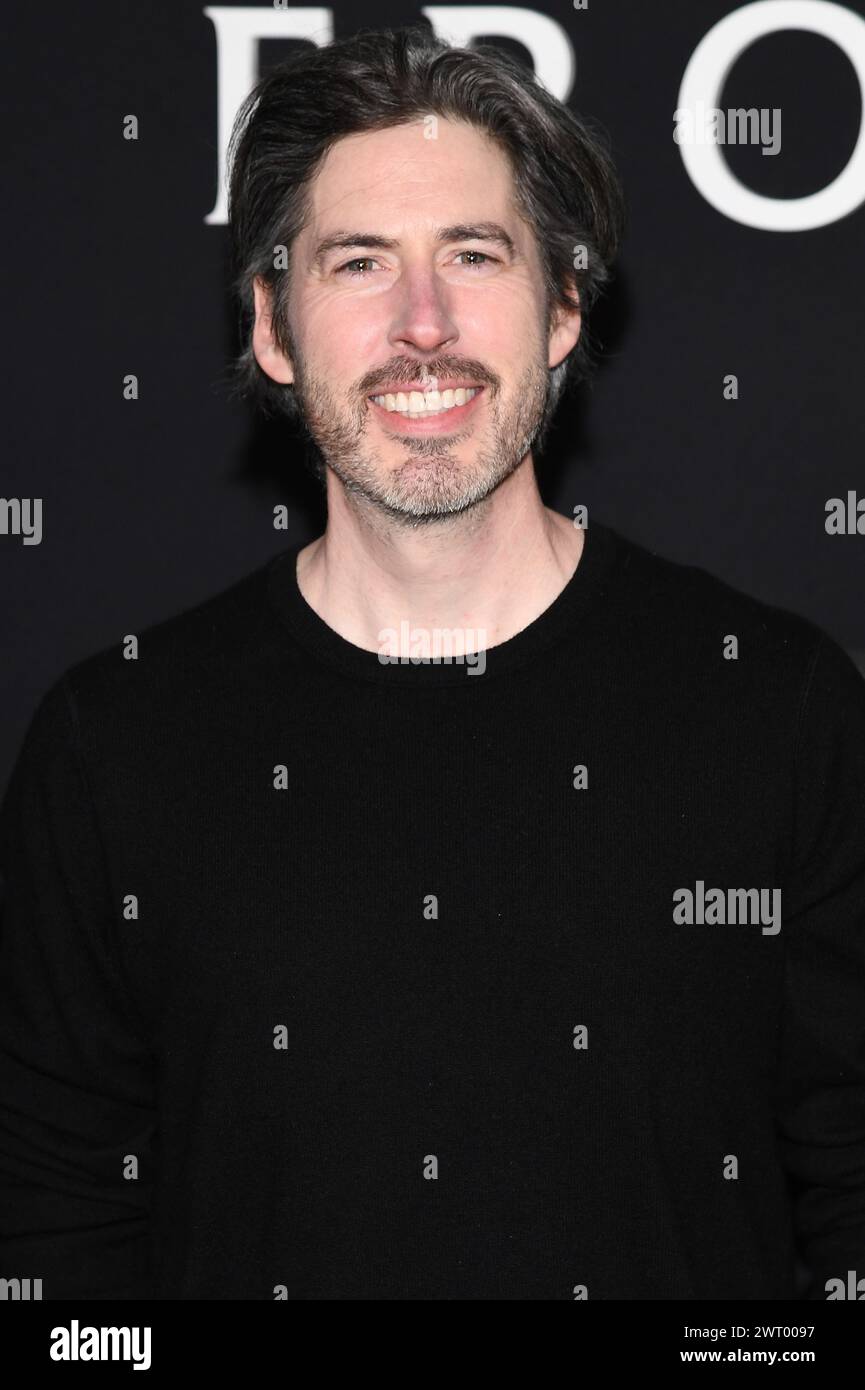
442,384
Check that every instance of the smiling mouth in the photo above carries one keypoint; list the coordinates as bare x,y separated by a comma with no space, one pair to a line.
420,405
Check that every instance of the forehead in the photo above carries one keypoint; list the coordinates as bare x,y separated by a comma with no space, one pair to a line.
427,170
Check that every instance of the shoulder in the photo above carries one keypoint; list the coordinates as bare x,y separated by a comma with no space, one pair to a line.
177,673
686,612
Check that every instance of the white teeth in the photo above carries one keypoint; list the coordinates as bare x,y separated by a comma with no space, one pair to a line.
418,404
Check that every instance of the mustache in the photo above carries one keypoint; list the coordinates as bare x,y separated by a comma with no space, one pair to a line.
402,370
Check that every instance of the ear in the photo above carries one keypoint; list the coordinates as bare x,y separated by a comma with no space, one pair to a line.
268,353
565,327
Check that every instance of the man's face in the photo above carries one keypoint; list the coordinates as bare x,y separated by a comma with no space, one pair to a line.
415,274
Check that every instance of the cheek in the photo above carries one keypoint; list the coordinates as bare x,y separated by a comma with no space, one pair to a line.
341,339
492,318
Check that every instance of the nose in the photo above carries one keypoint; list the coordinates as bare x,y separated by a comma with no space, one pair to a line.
422,318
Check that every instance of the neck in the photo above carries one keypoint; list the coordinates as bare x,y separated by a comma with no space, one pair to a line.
483,575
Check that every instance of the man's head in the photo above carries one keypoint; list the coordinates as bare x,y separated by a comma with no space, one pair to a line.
405,217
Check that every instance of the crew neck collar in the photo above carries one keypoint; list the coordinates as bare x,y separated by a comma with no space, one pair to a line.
600,547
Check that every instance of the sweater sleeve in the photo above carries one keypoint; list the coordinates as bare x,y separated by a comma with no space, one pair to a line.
76,1075
821,1108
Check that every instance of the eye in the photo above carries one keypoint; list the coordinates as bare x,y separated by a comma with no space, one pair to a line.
482,254
357,260
482,259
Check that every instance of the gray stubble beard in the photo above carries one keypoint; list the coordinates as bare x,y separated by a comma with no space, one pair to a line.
431,484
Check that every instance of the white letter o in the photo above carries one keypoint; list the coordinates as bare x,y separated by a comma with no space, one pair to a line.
703,81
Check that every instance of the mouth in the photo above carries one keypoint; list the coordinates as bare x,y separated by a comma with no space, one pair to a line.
430,412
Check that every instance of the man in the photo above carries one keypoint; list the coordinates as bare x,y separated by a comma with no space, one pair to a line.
468,904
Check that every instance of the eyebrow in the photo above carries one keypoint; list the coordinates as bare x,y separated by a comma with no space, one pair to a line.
459,231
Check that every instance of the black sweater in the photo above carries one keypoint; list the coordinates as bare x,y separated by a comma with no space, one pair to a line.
324,978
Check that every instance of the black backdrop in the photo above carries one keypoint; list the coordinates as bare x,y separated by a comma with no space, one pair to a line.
148,506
